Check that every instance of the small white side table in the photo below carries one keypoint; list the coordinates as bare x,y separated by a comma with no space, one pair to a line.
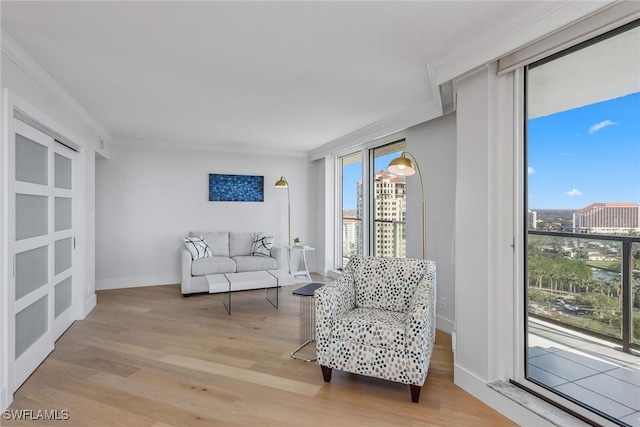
302,270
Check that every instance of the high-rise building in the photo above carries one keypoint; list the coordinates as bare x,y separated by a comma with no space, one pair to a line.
389,208
613,218
532,219
390,205
350,232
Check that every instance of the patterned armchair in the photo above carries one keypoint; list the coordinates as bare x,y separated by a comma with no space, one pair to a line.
378,319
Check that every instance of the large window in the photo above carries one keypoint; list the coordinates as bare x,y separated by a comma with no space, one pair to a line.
351,206
389,204
373,209
583,230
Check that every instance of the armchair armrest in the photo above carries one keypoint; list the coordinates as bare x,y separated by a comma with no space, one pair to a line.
332,301
421,320
335,298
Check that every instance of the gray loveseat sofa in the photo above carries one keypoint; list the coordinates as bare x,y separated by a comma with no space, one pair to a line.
231,254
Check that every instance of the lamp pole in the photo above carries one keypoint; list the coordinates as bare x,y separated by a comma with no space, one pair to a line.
282,183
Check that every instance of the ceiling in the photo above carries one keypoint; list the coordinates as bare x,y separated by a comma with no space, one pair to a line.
253,76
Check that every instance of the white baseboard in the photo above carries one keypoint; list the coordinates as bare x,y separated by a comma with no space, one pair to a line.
507,407
89,304
137,282
444,324
5,401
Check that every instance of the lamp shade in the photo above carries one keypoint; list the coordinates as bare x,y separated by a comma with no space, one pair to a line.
402,166
282,183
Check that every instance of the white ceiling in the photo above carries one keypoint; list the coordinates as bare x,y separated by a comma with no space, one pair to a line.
281,76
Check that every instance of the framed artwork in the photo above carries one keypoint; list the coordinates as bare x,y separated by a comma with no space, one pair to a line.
236,188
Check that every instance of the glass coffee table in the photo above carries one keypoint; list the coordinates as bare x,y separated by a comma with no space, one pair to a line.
307,317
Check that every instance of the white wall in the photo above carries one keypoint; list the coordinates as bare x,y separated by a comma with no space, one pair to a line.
39,102
149,198
484,270
433,144
472,233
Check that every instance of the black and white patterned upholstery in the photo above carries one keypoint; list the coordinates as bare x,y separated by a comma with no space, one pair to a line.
197,247
262,245
378,319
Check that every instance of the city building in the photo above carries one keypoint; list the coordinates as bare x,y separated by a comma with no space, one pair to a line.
350,232
389,212
611,218
532,219
390,206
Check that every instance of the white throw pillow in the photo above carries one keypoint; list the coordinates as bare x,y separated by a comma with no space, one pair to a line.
197,247
262,245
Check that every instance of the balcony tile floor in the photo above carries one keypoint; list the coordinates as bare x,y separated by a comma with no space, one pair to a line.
587,369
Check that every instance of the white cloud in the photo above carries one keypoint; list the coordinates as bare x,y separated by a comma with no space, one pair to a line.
574,192
595,128
531,171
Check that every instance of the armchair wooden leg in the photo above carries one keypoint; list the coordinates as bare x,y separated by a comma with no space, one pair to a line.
326,373
415,392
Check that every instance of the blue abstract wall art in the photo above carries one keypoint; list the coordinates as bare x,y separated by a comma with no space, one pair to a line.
236,188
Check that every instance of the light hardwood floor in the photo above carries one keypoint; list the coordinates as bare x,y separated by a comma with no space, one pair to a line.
149,357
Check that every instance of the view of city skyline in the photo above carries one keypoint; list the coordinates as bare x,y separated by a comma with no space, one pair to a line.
353,172
596,158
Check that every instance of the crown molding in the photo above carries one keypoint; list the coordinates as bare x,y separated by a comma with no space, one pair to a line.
398,122
519,34
229,149
30,66
389,125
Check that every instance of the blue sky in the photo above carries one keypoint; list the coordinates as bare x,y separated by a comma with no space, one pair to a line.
585,155
577,157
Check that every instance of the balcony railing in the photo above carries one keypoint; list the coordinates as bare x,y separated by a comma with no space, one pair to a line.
389,238
587,282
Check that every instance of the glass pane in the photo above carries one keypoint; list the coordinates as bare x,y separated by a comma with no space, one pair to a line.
63,213
31,216
62,299
635,311
62,255
62,171
389,204
31,270
583,202
352,207
575,283
31,324
31,161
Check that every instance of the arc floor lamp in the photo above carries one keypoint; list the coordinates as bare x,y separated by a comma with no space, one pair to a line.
407,165
282,183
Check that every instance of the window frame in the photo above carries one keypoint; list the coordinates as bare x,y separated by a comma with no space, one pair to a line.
520,200
367,151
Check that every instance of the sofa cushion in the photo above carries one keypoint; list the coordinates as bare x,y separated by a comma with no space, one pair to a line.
254,263
241,243
262,245
218,241
197,247
212,265
372,327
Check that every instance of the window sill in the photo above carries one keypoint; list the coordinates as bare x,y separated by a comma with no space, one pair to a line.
538,406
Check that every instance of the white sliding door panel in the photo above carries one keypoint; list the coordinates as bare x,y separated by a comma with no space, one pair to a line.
41,246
